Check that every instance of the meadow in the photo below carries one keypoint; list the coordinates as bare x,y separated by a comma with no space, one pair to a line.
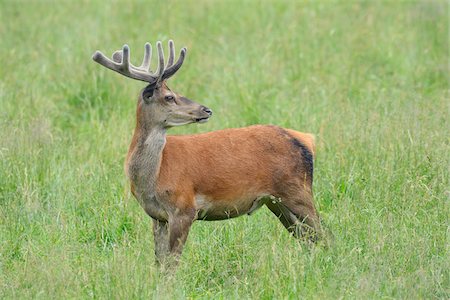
370,79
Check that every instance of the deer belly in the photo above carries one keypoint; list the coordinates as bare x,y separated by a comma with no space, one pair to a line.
215,209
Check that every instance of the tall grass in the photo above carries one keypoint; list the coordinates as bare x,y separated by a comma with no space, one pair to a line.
370,79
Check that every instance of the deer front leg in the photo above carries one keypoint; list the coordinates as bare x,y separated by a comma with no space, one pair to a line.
179,225
161,237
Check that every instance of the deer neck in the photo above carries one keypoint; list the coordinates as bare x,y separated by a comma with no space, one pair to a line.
144,158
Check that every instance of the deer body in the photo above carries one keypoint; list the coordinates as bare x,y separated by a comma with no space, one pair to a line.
219,174
210,176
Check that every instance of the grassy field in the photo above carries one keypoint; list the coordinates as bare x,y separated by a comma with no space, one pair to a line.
370,79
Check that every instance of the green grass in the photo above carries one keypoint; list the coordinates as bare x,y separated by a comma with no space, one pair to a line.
370,79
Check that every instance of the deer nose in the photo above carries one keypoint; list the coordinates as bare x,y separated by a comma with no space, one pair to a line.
207,110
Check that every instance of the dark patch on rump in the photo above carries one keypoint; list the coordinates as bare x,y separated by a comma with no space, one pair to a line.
306,155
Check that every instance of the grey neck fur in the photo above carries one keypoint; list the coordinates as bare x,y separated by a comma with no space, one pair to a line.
145,160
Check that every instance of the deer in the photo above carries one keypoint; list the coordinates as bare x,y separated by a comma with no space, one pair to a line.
218,175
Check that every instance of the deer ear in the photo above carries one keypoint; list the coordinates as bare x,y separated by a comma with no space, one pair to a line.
148,92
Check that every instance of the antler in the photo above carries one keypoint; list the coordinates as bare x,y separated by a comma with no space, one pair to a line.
121,63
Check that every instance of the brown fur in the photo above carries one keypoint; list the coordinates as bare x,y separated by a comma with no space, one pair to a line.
230,166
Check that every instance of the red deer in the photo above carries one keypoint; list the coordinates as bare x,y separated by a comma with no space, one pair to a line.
210,176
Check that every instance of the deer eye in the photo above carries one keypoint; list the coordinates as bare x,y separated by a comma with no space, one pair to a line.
169,98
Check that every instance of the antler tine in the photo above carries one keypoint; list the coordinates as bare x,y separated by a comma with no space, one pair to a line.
147,57
169,72
171,54
117,56
100,58
161,68
125,65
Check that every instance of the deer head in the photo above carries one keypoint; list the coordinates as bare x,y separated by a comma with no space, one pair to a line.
158,105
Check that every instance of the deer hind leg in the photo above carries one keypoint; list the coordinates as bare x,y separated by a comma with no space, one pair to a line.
298,216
